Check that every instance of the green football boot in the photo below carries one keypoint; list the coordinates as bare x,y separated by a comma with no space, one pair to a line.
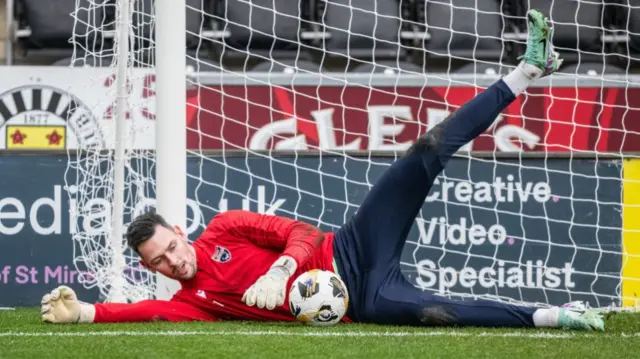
539,52
580,318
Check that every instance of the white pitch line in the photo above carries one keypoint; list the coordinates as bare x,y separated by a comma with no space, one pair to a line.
540,335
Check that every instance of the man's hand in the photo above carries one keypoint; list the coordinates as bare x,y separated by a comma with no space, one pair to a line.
270,289
62,306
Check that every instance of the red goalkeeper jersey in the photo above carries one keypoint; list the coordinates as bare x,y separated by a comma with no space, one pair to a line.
236,248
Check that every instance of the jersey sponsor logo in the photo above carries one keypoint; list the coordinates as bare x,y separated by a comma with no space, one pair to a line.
221,255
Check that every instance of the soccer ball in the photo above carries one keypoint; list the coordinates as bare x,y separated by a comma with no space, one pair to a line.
318,298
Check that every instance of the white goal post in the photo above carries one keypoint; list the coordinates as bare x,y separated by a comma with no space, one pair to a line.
171,129
539,210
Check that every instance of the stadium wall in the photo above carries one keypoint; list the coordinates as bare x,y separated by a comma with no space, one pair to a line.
573,214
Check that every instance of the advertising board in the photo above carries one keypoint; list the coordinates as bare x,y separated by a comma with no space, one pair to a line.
522,229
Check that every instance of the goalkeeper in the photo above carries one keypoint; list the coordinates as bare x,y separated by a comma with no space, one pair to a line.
242,265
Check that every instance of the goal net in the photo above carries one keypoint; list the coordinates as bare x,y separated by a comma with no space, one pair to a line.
297,110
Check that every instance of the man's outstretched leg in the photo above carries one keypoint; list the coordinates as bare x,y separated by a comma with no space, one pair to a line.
399,302
371,242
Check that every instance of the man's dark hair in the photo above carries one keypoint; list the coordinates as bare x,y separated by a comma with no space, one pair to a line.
143,227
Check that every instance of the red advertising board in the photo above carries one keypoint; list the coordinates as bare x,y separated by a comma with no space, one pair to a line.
43,108
553,119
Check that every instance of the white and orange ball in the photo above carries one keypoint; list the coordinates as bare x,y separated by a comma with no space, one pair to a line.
319,298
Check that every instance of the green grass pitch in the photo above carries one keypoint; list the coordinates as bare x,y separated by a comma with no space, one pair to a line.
22,335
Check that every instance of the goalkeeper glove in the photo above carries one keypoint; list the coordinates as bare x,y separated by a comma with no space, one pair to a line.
62,306
270,289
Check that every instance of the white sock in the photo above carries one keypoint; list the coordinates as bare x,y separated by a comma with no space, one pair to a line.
522,77
546,317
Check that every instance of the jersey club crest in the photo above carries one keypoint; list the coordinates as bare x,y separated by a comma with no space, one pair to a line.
221,255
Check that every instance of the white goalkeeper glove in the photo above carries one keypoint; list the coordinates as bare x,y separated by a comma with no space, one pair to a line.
62,306
270,289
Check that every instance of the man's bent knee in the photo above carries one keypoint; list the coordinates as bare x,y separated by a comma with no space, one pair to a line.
429,142
432,140
388,310
430,148
438,315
